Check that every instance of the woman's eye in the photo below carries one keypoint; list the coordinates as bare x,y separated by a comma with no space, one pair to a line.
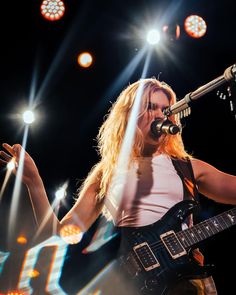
151,106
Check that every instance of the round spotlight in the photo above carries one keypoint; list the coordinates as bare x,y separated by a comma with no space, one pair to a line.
21,240
195,26
28,117
52,10
71,234
153,37
85,59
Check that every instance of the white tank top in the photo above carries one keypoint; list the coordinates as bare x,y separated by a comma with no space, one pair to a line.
151,188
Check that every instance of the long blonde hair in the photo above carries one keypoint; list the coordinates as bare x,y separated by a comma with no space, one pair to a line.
112,132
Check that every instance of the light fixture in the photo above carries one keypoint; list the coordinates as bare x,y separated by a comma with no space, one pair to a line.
153,37
195,26
52,10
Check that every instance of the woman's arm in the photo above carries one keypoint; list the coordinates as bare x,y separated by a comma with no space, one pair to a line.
213,183
83,213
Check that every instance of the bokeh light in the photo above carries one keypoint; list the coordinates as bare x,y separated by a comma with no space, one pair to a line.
21,240
71,234
85,59
172,32
33,273
16,293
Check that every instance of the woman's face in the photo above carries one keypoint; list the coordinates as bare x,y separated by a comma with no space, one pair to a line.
158,102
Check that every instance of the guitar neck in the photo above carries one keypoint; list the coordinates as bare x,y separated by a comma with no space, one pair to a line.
207,228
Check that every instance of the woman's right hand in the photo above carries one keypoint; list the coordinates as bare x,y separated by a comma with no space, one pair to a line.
30,170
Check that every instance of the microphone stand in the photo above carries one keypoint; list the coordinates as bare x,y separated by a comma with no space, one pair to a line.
183,104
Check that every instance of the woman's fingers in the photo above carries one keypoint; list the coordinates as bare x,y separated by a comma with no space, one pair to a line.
13,150
8,148
5,156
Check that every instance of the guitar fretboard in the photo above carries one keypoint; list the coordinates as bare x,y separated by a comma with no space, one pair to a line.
207,228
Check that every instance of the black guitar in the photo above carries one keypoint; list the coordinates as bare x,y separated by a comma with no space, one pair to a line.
157,256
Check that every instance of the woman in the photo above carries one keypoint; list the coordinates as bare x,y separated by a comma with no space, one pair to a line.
155,178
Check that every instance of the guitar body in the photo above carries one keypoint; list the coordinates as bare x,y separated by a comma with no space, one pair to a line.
154,257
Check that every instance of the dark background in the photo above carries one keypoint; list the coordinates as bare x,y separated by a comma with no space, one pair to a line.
72,101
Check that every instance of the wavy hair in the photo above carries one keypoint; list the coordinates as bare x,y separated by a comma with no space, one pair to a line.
112,132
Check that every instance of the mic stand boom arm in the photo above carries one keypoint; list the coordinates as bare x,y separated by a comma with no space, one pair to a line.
183,104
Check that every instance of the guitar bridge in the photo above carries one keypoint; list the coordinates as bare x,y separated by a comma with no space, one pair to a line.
146,256
172,244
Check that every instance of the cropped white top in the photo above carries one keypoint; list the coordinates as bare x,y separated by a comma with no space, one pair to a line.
151,187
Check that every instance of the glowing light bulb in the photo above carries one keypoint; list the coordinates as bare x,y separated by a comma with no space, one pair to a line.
153,37
28,117
85,59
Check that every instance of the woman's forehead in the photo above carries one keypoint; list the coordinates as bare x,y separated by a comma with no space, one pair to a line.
158,96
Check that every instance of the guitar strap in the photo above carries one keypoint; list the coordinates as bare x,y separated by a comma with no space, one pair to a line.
185,172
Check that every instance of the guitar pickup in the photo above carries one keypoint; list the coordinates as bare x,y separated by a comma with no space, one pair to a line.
146,256
172,244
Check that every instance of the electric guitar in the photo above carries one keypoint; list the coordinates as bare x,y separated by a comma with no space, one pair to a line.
159,255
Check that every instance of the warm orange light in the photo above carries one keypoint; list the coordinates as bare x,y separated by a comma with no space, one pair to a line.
177,32
21,240
71,234
33,273
195,26
172,32
85,59
52,9
16,293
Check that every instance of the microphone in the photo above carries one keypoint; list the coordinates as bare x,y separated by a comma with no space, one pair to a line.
160,126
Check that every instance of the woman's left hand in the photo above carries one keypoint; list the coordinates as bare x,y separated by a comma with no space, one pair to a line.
30,170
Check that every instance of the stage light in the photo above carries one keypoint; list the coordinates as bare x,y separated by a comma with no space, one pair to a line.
28,117
16,293
71,234
33,273
85,59
52,10
172,32
21,240
61,192
195,26
153,37
11,165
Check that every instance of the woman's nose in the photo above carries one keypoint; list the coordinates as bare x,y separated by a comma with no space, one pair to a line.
158,114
